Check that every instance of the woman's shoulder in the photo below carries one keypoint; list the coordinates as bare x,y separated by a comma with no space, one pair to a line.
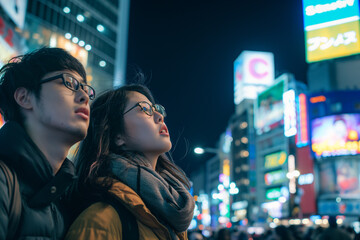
99,219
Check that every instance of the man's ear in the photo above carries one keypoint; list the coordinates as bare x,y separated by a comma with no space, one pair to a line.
23,98
119,141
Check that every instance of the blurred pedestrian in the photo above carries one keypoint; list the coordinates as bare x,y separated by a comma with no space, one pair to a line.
333,232
282,233
242,236
195,235
223,234
44,99
122,167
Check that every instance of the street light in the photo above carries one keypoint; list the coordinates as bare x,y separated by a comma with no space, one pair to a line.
200,150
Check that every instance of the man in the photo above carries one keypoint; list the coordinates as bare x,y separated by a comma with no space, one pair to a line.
44,99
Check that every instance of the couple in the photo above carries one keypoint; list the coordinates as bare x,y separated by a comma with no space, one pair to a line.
121,172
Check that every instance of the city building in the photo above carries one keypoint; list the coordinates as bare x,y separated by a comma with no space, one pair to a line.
94,31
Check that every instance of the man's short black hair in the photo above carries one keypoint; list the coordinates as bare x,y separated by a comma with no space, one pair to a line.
27,71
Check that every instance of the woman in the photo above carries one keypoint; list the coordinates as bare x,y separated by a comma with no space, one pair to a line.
122,163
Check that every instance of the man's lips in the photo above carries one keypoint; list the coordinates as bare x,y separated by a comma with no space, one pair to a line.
83,112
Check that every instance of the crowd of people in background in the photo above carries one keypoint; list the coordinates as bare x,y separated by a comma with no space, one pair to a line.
281,232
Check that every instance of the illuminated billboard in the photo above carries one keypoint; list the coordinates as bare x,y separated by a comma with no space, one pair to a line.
253,72
302,136
269,107
328,11
339,178
331,28
273,193
275,177
335,135
289,113
275,159
332,42
16,10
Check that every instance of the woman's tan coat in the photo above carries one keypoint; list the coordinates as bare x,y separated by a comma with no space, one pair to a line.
100,221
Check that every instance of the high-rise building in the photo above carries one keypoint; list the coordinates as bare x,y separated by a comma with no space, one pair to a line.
93,31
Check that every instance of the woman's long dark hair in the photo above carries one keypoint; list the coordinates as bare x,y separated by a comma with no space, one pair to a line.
106,122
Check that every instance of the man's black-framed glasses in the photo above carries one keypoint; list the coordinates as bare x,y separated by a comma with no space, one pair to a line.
148,108
72,83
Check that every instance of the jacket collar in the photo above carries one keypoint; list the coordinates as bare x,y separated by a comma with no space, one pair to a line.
18,151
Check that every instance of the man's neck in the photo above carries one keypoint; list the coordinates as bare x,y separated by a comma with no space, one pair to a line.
54,148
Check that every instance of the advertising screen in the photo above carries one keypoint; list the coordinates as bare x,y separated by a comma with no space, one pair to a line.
331,28
328,11
275,159
333,42
339,178
335,135
269,107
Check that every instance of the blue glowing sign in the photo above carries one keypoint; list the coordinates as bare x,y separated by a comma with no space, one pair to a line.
325,11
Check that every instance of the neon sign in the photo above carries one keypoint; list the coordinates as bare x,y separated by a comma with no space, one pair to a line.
275,177
289,113
331,28
275,159
302,138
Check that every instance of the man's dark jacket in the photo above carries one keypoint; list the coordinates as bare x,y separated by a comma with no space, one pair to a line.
43,216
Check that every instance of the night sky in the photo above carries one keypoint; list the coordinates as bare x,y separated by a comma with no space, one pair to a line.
187,49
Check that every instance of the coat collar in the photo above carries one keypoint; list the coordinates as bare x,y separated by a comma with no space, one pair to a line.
37,181
136,205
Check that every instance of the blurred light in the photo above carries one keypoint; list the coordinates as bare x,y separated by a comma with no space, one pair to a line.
100,28
36,36
318,221
232,185
306,179
306,221
318,99
199,150
80,18
339,221
66,10
233,191
102,63
276,220
272,225
81,43
88,47
338,199
67,35
282,199
75,40
220,187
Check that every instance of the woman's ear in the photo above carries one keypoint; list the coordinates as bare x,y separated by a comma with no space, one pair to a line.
119,141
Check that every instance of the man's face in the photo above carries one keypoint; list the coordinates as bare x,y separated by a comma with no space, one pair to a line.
61,112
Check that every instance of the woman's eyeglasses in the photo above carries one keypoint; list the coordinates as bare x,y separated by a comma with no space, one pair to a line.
72,83
149,109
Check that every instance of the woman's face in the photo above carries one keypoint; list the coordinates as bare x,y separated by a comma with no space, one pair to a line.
144,133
